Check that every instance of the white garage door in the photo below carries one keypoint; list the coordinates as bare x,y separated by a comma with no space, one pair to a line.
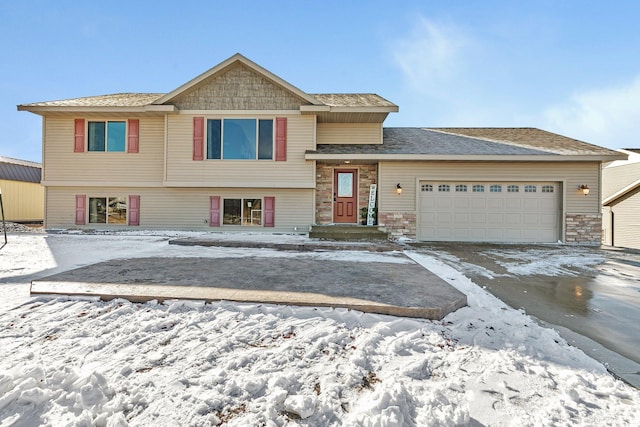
489,211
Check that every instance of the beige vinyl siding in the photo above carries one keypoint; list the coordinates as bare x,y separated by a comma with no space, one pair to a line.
616,178
626,232
22,201
349,133
62,165
606,225
184,208
408,174
183,171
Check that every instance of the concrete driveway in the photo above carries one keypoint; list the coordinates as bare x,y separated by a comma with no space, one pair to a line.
591,295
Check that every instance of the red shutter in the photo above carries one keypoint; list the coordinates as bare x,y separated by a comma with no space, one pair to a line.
214,211
134,210
78,145
81,209
281,139
198,138
269,211
133,140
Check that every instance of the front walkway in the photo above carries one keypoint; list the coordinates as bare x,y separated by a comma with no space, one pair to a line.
401,288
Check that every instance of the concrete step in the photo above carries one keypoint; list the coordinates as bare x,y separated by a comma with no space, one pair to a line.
348,232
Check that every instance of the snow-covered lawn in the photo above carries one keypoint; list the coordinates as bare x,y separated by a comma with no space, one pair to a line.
71,361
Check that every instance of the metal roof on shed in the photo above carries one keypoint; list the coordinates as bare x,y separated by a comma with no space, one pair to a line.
19,170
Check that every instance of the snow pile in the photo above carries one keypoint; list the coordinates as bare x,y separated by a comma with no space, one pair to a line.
14,227
87,362
567,261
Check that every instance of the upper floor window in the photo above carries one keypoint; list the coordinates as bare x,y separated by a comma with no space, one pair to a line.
107,136
240,139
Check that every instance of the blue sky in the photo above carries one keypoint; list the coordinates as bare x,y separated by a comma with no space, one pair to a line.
571,67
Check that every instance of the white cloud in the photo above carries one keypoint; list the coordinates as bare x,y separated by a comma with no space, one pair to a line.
430,56
608,117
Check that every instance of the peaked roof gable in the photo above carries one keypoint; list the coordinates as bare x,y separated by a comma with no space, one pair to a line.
241,67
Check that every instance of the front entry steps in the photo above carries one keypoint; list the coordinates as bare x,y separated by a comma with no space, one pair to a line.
349,232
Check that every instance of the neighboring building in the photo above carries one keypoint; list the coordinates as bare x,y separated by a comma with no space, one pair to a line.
621,201
239,148
22,194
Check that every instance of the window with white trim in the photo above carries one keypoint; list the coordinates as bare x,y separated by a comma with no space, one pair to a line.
444,187
245,212
240,139
478,188
495,188
461,188
426,187
107,210
530,189
513,188
107,136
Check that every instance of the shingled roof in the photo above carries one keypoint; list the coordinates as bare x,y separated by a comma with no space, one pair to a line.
352,100
531,138
144,99
113,100
19,170
403,143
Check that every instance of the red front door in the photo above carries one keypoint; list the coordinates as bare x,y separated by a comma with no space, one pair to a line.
345,196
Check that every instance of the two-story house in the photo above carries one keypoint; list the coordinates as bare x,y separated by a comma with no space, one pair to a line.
238,148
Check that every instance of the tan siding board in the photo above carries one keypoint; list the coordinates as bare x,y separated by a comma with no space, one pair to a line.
627,222
183,208
606,225
408,173
349,133
62,164
616,178
295,172
22,201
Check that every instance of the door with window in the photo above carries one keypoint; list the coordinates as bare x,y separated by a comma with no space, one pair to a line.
345,196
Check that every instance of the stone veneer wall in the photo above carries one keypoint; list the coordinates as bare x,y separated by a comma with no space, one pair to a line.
583,229
367,175
399,224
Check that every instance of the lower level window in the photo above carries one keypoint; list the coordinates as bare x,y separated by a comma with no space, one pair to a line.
242,212
107,210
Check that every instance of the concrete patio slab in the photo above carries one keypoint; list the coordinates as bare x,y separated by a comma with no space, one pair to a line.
400,289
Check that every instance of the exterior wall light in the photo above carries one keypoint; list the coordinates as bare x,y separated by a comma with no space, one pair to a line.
584,188
398,188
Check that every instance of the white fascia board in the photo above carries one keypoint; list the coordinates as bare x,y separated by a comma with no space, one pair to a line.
359,109
454,157
227,113
235,184
81,109
621,193
119,184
